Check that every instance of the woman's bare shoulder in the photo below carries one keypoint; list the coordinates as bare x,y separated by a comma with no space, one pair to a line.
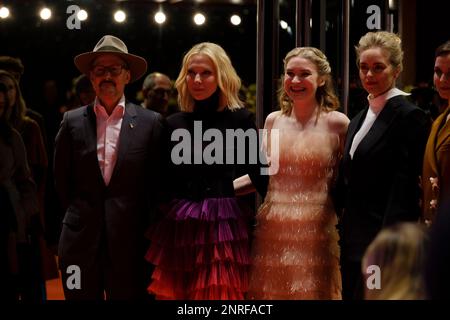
270,119
338,122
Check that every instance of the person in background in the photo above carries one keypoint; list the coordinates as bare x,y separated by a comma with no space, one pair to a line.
32,252
157,89
16,68
400,253
380,169
19,208
81,94
31,135
84,90
436,164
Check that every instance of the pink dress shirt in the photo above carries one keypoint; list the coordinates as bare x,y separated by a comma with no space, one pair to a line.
108,131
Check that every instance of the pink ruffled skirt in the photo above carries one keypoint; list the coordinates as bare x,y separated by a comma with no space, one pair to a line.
200,251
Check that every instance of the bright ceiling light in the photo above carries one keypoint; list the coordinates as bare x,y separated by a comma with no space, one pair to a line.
45,14
120,16
199,19
82,15
4,12
160,17
392,4
283,24
235,20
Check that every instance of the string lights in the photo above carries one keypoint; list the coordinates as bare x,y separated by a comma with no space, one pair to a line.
4,12
120,16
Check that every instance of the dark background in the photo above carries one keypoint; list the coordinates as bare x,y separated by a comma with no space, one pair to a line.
47,48
432,30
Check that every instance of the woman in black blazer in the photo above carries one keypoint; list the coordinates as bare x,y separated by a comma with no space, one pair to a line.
382,161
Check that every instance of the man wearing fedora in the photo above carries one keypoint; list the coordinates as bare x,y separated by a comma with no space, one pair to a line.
107,169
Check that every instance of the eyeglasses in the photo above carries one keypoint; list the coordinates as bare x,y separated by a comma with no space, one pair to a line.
114,70
438,72
161,91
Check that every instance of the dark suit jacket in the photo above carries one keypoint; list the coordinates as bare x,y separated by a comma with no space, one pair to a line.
380,185
107,223
40,121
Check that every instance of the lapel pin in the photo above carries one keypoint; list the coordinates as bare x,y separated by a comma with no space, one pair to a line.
131,125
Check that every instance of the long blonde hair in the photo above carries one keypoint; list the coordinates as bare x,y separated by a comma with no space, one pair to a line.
399,252
325,95
228,81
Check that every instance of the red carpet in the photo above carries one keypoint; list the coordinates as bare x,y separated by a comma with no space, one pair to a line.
54,289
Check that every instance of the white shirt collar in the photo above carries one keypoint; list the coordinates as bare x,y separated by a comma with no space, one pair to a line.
377,104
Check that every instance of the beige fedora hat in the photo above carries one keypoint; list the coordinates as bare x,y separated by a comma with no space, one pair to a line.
113,45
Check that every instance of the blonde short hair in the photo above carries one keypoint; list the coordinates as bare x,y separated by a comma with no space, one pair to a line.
388,41
325,96
228,81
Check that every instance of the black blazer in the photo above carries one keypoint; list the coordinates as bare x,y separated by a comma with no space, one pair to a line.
380,185
108,221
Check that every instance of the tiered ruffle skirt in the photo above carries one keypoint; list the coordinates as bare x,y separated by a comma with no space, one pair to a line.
200,251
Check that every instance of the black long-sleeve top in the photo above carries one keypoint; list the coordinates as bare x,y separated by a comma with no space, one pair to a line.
198,177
